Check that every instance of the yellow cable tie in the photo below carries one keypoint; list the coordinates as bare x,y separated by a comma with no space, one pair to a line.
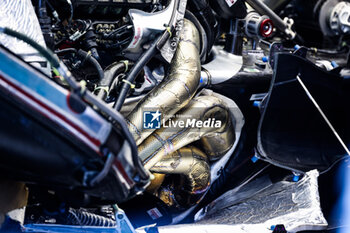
313,49
83,86
126,63
169,30
55,71
104,88
132,86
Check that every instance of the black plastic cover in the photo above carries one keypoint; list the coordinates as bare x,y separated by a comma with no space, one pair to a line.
292,132
229,9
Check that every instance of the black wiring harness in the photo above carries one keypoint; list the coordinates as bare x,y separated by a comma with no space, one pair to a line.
113,116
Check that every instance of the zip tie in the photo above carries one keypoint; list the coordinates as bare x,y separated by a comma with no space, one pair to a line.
169,30
55,71
82,86
104,88
126,63
314,50
132,86
88,54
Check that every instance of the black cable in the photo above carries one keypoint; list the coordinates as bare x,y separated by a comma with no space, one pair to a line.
85,57
52,59
155,46
144,59
54,12
299,39
71,10
116,116
343,50
110,73
88,57
43,51
166,34
50,5
104,172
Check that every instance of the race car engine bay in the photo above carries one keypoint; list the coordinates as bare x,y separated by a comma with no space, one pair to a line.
158,107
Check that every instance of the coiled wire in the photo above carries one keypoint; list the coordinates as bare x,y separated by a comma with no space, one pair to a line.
84,218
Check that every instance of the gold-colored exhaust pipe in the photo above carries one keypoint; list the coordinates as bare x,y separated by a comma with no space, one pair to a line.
156,181
192,164
176,90
217,136
162,150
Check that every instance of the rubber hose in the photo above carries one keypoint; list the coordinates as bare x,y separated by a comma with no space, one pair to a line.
110,73
85,55
146,56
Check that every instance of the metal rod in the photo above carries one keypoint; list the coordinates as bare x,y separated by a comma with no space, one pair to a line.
263,9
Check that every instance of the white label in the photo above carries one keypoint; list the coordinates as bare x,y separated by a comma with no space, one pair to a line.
154,213
230,2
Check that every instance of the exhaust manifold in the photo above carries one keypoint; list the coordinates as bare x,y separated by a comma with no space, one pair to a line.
216,141
169,150
194,170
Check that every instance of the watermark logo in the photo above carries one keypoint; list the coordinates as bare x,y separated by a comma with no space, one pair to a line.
192,123
152,119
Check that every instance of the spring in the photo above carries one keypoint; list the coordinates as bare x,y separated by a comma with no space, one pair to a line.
84,218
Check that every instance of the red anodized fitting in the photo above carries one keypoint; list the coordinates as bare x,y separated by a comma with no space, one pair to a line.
266,28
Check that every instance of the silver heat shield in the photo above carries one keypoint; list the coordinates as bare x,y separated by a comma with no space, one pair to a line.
20,16
258,206
262,204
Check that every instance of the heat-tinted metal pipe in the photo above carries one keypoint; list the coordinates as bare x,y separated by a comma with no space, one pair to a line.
193,167
216,139
176,90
